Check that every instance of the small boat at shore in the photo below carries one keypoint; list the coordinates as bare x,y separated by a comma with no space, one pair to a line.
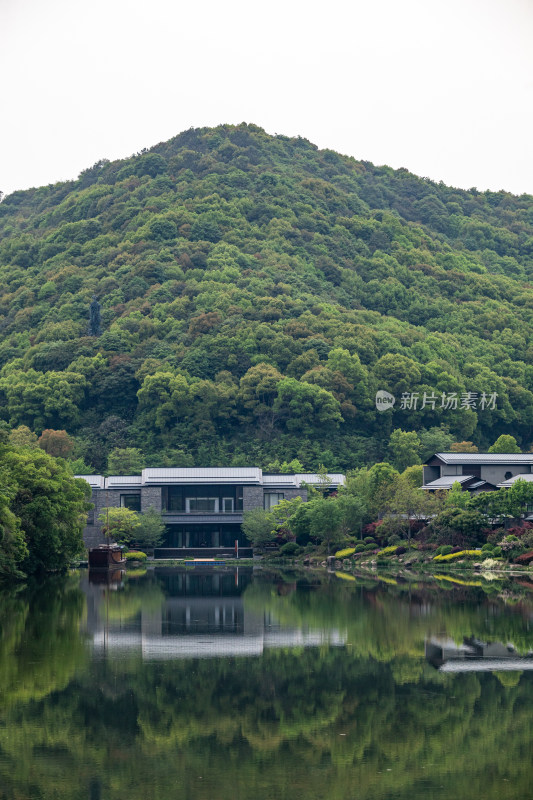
106,556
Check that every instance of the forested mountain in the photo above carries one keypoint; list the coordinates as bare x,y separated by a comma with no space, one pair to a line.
255,293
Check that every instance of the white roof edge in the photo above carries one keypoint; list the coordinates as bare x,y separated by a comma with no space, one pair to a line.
447,481
123,481
472,458
251,475
96,481
524,476
204,475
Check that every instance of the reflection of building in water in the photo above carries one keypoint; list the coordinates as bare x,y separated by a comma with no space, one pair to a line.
201,615
474,656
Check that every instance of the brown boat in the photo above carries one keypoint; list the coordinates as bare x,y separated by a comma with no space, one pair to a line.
106,556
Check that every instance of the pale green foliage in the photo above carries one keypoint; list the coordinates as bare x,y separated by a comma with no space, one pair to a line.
257,527
505,444
404,448
120,524
125,461
151,529
23,437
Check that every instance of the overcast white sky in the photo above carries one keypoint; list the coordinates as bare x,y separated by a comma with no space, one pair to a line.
441,87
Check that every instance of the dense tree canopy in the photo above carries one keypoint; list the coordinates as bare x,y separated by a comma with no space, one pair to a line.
42,510
253,294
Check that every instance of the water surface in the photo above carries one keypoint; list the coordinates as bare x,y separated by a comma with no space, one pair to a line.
195,684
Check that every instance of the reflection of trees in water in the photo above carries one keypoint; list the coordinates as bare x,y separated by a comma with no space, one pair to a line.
271,726
40,645
386,621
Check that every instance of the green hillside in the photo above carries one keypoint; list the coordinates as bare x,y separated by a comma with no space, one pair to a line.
255,294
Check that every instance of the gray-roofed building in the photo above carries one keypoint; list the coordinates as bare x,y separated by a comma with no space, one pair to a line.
486,471
474,655
202,507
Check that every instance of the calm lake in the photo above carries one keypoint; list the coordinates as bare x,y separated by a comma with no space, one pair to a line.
235,684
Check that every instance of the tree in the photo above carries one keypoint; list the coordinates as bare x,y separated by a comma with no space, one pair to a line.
370,486
414,476
505,444
22,437
325,519
281,516
505,503
151,529
324,480
51,506
257,526
434,440
56,443
405,448
306,408
292,467
125,461
258,390
13,548
352,512
120,524
404,503
467,522
40,399
456,497
463,447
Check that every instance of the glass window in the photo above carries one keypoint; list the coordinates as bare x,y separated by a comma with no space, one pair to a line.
131,501
227,505
198,505
271,499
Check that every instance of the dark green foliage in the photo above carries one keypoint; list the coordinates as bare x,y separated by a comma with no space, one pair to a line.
254,293
290,549
94,317
42,512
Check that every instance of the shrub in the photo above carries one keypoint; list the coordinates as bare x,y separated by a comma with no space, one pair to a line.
487,548
388,551
135,555
496,535
369,540
460,554
370,546
490,563
348,551
372,529
401,550
359,547
445,549
497,552
289,549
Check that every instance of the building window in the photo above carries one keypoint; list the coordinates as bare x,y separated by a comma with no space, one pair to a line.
271,499
201,499
131,501
201,505
508,475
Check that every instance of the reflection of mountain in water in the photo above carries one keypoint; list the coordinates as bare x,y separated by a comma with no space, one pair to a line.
474,656
201,614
